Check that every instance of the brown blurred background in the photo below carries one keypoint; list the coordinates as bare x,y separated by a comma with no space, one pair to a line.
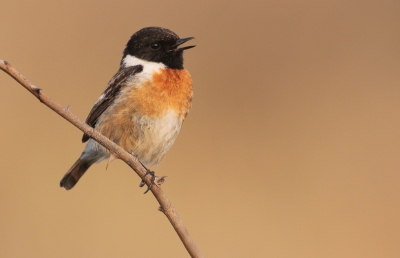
291,148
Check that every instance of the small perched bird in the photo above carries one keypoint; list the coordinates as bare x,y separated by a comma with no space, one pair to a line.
144,105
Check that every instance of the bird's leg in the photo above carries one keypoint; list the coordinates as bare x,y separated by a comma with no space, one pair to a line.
153,177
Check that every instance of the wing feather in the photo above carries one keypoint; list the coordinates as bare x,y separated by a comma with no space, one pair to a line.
107,98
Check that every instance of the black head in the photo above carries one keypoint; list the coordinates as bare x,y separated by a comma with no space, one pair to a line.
159,45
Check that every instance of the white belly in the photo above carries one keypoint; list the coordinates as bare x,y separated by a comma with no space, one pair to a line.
155,136
152,139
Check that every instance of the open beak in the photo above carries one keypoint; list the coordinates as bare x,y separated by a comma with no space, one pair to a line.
180,42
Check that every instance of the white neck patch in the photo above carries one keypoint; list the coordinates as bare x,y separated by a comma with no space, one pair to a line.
148,67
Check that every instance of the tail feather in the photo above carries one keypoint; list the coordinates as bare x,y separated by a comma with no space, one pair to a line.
75,173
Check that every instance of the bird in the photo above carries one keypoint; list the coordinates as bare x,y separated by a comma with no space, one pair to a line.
144,104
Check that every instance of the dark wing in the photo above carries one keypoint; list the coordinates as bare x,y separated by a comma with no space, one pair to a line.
108,97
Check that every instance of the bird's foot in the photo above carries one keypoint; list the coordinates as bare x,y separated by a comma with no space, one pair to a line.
153,178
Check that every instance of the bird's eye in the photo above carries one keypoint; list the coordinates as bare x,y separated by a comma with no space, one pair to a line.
155,46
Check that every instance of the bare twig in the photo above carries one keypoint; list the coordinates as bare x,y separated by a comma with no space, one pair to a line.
166,206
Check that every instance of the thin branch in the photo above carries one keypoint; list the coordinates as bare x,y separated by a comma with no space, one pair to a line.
166,206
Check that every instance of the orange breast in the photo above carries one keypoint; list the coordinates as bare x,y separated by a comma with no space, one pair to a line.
169,89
